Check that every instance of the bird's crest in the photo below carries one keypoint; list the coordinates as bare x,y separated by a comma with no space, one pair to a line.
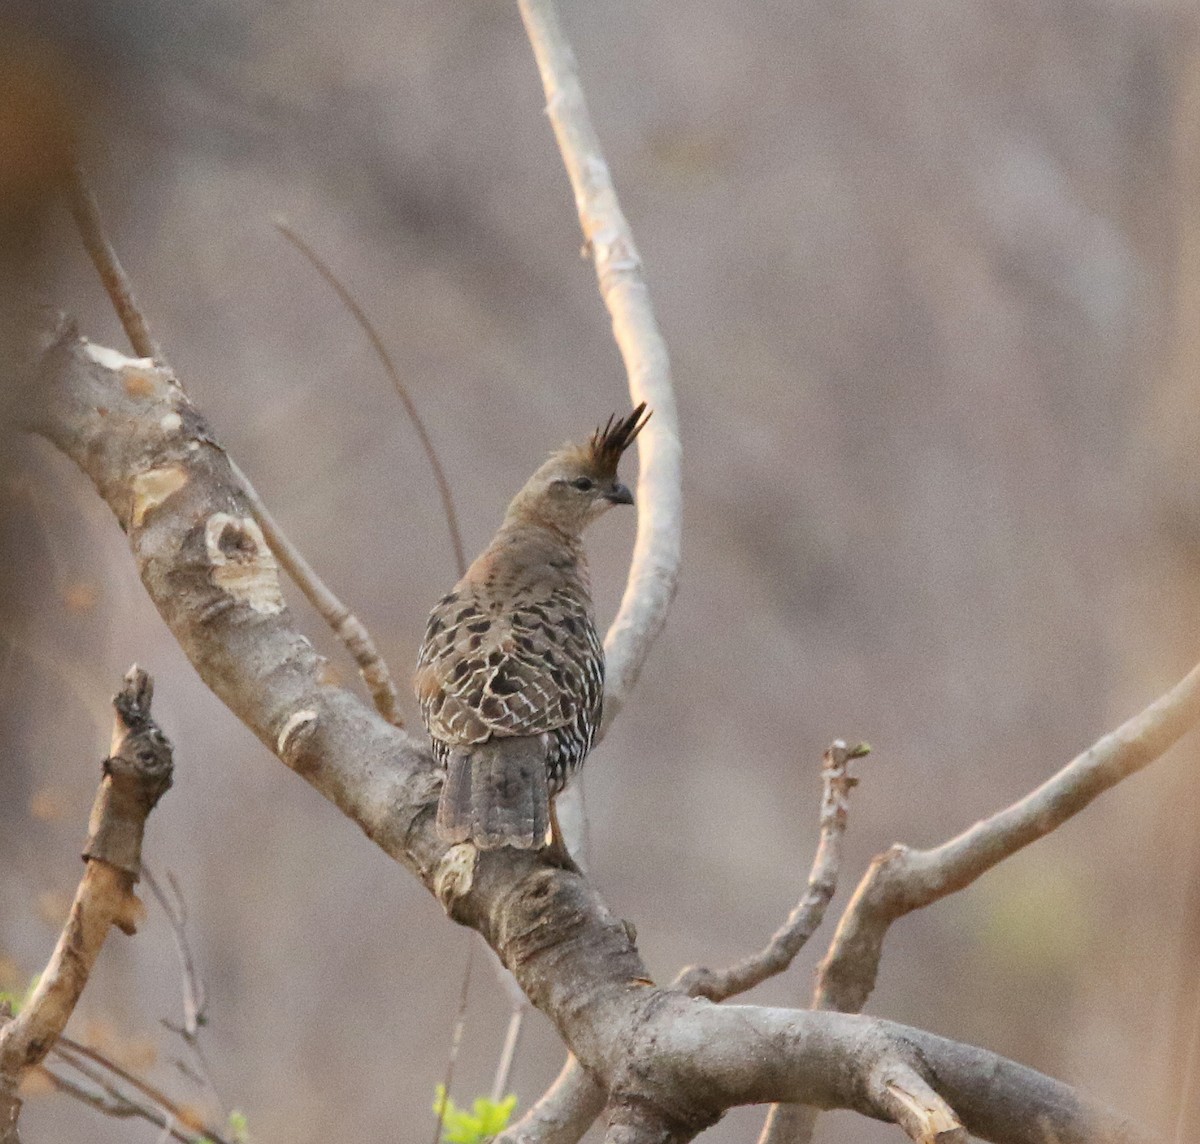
604,448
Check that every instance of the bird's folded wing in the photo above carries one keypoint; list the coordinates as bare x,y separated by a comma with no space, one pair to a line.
525,671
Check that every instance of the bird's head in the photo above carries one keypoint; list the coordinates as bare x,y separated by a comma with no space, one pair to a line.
579,482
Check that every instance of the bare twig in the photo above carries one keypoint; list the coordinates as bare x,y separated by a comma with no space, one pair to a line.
802,923
367,326
508,1052
194,1000
86,212
654,570
1191,1065
95,1065
902,880
346,626
135,776
460,1021
118,1106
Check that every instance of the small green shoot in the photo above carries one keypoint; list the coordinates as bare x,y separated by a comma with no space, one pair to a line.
486,1119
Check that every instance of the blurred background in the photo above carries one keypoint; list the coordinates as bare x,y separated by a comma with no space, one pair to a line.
930,274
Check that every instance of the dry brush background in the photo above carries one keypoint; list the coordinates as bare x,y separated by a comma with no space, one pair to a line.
931,279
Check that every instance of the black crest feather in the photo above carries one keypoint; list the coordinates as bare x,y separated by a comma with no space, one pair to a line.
610,441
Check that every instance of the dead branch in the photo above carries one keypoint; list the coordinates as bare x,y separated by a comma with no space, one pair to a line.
802,922
133,431
119,1107
902,880
346,626
135,776
194,1000
654,570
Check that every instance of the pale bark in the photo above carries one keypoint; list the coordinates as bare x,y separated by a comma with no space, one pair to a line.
680,1060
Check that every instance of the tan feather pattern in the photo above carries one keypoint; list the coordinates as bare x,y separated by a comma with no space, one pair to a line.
513,651
510,676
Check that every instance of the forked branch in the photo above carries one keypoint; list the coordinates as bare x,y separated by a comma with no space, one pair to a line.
346,626
203,564
902,879
135,776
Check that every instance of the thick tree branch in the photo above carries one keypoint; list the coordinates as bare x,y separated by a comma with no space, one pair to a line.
202,559
654,571
802,922
346,626
135,776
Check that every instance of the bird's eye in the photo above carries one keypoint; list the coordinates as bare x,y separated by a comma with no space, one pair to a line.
583,484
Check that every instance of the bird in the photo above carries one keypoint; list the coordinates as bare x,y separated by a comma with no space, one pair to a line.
510,675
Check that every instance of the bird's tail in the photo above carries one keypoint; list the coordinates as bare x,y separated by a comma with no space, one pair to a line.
495,795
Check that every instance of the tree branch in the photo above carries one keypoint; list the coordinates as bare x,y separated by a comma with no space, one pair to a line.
202,560
135,776
346,626
802,923
389,367
654,571
563,1113
902,880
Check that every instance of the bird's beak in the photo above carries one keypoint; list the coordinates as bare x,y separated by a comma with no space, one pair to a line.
618,494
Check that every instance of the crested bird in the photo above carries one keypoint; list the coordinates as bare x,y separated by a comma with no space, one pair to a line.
510,676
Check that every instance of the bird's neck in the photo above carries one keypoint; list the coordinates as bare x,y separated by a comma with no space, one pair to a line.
527,550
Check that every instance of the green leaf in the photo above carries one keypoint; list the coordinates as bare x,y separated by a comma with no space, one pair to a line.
239,1129
486,1119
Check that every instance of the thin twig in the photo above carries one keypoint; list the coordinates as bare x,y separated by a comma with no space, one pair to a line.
1190,1066
84,1061
367,326
348,628
508,1053
194,1000
86,212
654,569
119,1106
802,923
75,1053
455,1040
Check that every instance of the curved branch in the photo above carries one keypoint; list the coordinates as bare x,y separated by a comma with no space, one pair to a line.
902,880
563,1113
205,565
802,923
654,571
